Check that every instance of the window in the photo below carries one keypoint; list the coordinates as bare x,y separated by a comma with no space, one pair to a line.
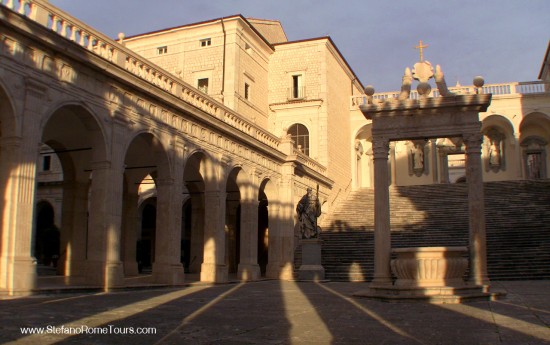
202,85
300,135
46,163
162,50
206,42
297,89
247,91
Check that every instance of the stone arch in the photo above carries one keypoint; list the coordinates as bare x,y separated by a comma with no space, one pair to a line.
534,139
8,122
300,133
145,156
7,129
236,183
499,143
198,178
268,209
76,137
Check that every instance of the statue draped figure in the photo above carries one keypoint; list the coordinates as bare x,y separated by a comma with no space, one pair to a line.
309,209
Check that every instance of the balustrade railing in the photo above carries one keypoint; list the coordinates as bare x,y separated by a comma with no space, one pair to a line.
530,87
51,17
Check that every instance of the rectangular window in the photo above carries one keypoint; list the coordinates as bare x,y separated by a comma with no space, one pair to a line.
247,91
46,163
202,85
297,89
206,42
162,50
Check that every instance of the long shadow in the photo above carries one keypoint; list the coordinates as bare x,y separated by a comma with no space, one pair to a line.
363,321
230,313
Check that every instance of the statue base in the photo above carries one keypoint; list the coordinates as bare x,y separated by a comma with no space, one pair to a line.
311,268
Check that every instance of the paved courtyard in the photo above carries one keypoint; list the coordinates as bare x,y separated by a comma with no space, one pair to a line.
274,312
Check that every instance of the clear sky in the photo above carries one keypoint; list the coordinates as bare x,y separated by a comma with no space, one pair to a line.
502,40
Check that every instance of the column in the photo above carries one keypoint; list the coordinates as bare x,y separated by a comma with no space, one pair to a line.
130,233
74,225
275,254
213,268
287,217
248,265
104,267
167,268
17,176
476,209
382,235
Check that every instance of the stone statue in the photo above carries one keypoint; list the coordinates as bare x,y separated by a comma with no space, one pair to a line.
494,154
309,209
418,157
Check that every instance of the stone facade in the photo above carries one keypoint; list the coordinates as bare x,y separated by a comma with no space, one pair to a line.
179,149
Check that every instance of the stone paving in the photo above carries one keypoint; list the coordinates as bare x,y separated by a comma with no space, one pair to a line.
274,312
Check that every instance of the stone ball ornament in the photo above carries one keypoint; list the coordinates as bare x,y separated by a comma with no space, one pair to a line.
424,88
479,81
369,90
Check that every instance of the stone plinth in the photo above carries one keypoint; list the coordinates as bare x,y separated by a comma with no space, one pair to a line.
429,266
430,274
311,268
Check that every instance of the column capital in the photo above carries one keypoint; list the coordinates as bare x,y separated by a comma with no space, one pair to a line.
473,142
12,141
380,148
101,165
161,182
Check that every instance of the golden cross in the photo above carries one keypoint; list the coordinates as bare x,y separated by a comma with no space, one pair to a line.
420,47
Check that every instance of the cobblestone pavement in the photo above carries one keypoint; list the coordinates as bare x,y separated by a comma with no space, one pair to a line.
274,312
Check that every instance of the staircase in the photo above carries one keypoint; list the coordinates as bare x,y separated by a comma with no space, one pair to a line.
517,217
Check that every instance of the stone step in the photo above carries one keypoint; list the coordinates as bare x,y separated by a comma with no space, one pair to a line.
517,223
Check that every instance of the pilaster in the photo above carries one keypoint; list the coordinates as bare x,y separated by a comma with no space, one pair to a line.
213,268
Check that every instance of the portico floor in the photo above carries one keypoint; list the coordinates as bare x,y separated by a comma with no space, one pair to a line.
273,312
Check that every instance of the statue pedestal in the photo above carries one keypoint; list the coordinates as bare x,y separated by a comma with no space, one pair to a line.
311,268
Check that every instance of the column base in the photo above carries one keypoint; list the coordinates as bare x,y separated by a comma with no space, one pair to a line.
20,280
273,270
171,274
214,273
105,274
249,272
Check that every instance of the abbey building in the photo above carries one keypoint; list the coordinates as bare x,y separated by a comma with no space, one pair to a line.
183,152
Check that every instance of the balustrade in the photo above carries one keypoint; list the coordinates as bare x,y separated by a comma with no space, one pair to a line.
524,88
99,44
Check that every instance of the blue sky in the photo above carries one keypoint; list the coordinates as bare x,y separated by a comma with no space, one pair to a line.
502,40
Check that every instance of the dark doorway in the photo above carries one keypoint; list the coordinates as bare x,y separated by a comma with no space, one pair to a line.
263,235
46,244
145,253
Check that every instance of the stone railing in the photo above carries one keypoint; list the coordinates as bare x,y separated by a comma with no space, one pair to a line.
62,23
309,162
530,87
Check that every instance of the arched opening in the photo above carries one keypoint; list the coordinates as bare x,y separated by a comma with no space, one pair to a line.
193,213
263,232
146,243
535,136
46,239
300,135
72,140
186,234
145,200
